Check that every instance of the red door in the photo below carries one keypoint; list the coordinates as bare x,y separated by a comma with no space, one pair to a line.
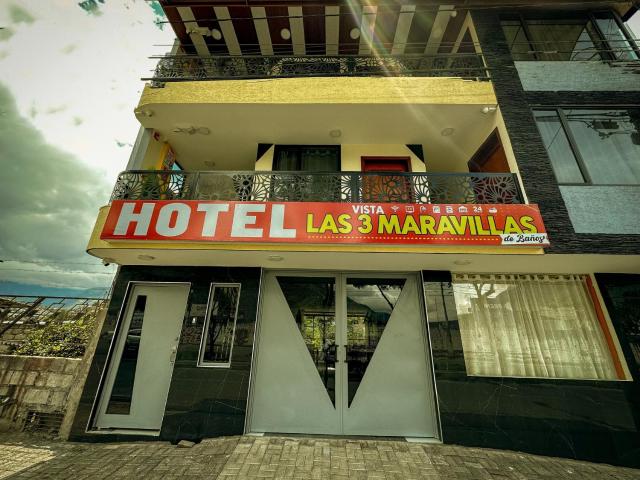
386,187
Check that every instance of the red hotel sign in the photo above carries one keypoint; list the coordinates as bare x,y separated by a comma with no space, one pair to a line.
311,222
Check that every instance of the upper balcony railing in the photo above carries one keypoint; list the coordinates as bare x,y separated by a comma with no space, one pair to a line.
566,50
345,187
180,68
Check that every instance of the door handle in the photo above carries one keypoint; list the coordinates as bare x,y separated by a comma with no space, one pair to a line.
343,353
172,357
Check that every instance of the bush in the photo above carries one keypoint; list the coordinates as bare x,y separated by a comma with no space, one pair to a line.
58,339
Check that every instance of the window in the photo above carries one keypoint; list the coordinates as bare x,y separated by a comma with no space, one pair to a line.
313,177
219,329
122,390
591,36
307,158
544,326
592,146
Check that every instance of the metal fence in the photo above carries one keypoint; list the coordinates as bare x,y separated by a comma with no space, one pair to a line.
614,51
20,314
176,68
346,187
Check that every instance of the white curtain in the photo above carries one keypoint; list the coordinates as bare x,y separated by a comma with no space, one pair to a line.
530,326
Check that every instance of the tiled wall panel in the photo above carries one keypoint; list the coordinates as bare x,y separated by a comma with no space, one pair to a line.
202,402
590,420
534,164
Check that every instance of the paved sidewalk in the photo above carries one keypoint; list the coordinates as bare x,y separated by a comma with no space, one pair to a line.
229,458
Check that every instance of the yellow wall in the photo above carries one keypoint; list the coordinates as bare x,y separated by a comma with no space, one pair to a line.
508,150
153,156
334,90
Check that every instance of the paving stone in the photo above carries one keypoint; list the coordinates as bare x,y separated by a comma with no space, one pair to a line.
30,458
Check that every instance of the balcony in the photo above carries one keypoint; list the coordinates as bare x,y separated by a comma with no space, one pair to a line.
180,68
577,51
344,187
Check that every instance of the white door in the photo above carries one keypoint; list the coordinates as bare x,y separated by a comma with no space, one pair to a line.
342,354
137,382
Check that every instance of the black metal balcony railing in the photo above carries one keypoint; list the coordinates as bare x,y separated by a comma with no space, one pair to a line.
346,187
615,52
177,68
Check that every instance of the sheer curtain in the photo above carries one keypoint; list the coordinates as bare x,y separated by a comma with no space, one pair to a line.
530,326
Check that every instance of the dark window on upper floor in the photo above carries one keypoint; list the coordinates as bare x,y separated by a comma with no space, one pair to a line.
307,158
592,146
579,36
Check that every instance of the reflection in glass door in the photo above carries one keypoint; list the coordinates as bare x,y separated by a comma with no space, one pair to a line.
370,302
312,304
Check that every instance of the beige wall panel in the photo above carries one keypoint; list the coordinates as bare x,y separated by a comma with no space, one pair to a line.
265,162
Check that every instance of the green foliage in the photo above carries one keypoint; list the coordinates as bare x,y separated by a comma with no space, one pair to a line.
58,339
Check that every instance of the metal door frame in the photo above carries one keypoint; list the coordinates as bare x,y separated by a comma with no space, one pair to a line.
340,310
109,362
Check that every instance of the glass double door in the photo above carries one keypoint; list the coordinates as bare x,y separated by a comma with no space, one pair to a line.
342,354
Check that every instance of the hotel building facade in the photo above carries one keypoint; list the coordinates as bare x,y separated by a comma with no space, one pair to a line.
398,219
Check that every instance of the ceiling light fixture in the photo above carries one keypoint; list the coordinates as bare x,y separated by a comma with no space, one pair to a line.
354,33
447,132
285,33
462,262
142,112
195,29
216,34
488,110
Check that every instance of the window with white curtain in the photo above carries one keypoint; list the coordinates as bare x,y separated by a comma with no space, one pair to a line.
531,326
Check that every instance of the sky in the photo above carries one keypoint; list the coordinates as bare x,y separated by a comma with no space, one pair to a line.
69,81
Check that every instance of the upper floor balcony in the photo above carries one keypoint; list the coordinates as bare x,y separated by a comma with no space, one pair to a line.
183,67
343,187
243,41
577,50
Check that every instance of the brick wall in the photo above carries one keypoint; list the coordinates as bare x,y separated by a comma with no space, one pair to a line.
39,384
533,161
15,336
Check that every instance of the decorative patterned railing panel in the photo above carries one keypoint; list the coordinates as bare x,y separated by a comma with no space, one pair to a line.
176,68
347,187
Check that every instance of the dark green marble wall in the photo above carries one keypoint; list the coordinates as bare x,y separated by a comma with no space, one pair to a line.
202,402
590,420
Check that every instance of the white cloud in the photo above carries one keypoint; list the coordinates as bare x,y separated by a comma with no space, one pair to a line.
67,64
76,76
49,202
